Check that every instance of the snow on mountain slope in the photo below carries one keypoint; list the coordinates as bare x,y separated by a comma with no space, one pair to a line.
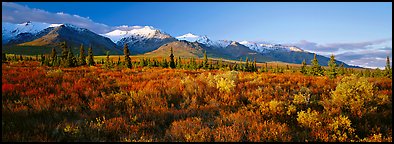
204,40
266,47
137,33
10,30
188,37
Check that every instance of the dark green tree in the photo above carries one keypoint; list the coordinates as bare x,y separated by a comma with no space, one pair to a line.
316,69
90,56
303,67
164,63
127,58
387,70
205,62
64,48
172,63
332,67
53,57
71,60
82,58
118,63
108,62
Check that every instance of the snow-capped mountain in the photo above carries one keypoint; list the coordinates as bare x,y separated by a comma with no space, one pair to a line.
266,47
135,34
10,30
140,39
204,40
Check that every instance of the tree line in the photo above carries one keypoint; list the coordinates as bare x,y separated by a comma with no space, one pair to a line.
67,59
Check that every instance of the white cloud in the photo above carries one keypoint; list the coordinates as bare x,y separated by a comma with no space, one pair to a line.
371,54
16,13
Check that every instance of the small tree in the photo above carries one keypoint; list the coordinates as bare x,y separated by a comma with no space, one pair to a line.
108,62
82,58
205,62
164,63
387,70
90,56
172,63
64,48
316,69
127,57
303,67
332,71
71,61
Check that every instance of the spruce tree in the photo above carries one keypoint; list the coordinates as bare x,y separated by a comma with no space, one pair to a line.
303,67
108,63
71,61
387,70
53,57
164,63
127,57
172,63
246,67
205,62
82,58
64,48
316,69
332,70
90,56
118,63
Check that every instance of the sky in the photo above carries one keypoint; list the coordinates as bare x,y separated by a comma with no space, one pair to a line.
356,33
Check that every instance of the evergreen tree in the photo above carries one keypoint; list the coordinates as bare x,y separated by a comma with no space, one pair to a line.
387,70
164,63
53,57
64,48
127,58
332,70
118,63
42,59
172,64
246,66
71,61
90,56
316,69
82,58
220,63
20,57
303,67
205,62
108,62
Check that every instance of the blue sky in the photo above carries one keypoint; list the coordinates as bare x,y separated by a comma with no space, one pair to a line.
345,29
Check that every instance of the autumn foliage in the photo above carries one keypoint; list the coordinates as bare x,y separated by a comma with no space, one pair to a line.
92,103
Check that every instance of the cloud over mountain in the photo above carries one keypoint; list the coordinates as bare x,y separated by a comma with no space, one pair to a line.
16,13
366,54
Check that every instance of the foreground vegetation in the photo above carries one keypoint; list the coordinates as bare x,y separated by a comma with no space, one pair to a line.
142,103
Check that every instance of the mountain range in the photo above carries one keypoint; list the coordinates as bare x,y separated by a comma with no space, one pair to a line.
145,40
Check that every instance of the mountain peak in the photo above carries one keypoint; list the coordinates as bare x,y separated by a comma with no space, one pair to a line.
136,33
